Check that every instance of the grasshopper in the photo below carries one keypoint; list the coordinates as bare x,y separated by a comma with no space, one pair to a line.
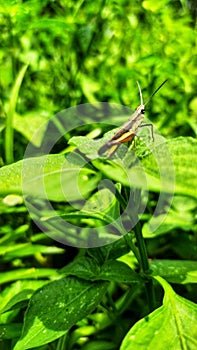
128,130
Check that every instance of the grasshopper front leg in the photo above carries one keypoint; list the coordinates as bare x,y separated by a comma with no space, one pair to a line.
151,127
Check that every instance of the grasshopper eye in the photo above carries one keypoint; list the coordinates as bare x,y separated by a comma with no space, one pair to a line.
142,110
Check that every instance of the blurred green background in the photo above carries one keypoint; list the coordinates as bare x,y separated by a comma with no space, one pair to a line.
84,51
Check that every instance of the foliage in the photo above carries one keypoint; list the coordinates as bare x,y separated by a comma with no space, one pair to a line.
97,253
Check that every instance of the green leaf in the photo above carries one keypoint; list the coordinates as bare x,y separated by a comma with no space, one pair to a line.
86,145
173,325
119,272
166,223
10,331
17,294
26,249
118,171
183,154
104,205
154,6
34,124
56,307
104,201
171,167
64,177
111,270
57,25
83,267
185,247
175,271
114,250
31,273
100,212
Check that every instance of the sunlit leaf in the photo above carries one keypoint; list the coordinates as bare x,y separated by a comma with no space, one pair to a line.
175,271
154,6
17,294
173,325
26,273
172,161
54,177
56,307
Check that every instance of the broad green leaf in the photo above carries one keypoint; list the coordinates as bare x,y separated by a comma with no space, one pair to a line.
56,307
118,171
90,146
166,223
173,325
175,271
99,219
102,206
171,161
111,270
83,267
118,271
183,152
52,177
104,201
86,145
169,167
17,294
111,251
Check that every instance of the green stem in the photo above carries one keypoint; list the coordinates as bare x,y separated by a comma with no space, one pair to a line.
9,136
128,240
9,131
142,248
141,255
150,292
61,345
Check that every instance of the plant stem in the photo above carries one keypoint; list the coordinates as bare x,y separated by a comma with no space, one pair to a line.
142,248
9,131
145,266
142,251
62,342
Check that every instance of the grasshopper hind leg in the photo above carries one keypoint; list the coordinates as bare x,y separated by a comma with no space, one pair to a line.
103,149
112,150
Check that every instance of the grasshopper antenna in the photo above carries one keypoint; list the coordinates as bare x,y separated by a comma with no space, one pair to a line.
151,96
140,91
